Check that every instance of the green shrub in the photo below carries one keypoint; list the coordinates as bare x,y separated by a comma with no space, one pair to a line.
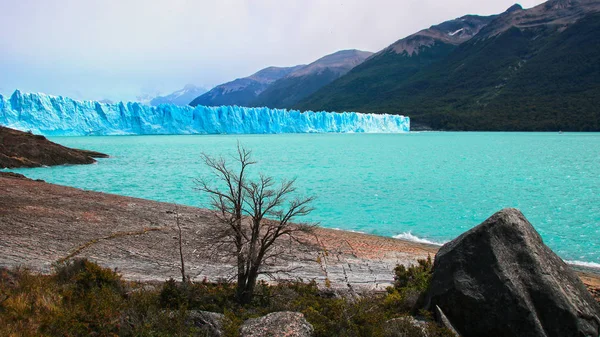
87,275
215,297
173,295
410,286
415,276
232,323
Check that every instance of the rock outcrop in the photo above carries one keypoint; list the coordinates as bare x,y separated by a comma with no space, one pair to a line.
23,149
285,323
500,279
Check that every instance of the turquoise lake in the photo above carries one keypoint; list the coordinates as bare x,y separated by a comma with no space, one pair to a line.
422,186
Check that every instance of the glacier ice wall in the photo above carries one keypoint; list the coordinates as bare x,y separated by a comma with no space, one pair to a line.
62,116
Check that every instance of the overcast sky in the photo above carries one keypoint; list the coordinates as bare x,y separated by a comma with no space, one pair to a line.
120,49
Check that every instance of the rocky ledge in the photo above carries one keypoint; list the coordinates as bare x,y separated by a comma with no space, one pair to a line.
24,149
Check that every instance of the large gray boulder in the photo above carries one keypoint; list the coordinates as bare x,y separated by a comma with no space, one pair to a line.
285,323
500,279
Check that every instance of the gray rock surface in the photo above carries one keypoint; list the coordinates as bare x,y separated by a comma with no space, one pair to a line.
210,323
284,323
500,279
41,223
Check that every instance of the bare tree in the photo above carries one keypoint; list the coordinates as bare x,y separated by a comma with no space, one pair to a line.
252,217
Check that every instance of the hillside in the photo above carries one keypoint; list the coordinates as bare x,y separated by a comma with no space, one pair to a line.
301,83
365,84
242,91
180,97
534,69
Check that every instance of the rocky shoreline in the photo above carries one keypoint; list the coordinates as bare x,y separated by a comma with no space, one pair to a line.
43,223
499,277
24,149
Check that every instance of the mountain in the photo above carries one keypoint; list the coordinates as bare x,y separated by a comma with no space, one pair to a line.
63,116
383,71
180,97
146,96
526,69
299,84
554,13
243,91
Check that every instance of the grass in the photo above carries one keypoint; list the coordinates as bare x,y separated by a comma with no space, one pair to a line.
81,298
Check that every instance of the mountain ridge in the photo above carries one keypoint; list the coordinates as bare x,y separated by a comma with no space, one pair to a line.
242,91
301,83
534,69
452,32
399,61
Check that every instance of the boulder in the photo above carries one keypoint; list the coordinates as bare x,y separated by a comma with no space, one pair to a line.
285,323
500,279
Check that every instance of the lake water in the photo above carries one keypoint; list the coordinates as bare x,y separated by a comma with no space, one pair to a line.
419,186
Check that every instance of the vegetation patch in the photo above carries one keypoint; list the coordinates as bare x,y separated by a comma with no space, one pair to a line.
83,298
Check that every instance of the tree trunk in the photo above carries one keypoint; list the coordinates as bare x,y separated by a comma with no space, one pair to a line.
245,292
242,278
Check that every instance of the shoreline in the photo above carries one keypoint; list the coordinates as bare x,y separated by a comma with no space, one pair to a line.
45,222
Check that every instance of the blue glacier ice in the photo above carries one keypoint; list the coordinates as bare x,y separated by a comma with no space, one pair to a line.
63,116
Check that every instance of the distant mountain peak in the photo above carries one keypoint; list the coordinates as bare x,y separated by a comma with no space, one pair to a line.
339,62
514,8
180,97
305,80
242,91
556,13
190,86
272,74
560,4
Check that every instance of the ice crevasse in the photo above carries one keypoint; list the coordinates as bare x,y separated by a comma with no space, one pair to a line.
63,116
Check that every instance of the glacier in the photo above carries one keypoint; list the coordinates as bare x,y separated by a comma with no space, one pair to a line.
62,116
